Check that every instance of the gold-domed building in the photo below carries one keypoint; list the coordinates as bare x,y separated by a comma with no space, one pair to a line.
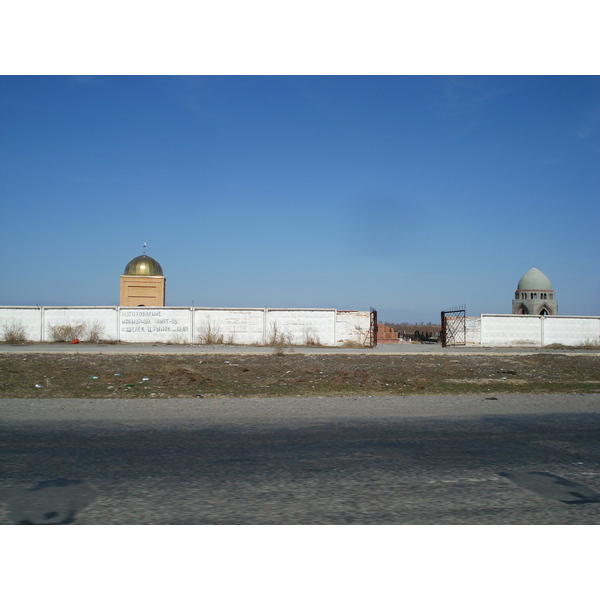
143,283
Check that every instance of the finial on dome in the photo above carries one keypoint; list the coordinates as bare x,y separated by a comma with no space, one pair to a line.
144,248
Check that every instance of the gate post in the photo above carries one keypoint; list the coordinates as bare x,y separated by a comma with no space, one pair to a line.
443,332
373,328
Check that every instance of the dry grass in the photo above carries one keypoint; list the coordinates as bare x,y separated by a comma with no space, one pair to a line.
66,333
209,333
86,332
587,345
311,338
267,375
352,344
95,332
14,332
278,339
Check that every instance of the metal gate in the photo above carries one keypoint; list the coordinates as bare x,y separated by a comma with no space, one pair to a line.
454,327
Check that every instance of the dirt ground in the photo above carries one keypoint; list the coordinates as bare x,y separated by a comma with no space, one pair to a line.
272,375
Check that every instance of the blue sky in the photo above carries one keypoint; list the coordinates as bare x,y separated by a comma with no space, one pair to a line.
410,194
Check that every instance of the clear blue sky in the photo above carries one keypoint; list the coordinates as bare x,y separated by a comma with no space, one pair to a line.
411,194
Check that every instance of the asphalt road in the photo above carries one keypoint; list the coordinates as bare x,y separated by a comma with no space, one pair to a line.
402,460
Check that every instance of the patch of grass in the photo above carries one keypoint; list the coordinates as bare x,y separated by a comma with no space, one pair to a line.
14,332
86,332
278,339
94,332
66,333
209,333
587,345
311,338
352,344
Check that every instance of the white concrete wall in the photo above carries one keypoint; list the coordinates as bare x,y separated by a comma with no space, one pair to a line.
352,326
539,331
100,319
301,326
38,322
327,327
155,324
571,331
510,330
473,328
189,325
29,317
231,325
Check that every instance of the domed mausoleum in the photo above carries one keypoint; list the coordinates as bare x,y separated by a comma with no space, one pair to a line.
143,283
534,295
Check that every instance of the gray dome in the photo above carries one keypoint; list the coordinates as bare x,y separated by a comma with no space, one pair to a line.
143,265
534,279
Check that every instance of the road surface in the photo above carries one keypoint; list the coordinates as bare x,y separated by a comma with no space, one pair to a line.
398,460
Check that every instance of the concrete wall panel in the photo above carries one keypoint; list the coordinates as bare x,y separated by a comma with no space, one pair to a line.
229,325
96,322
538,331
301,326
352,327
473,330
571,331
148,324
511,330
25,318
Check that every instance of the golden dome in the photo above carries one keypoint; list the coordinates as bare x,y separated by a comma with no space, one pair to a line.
143,265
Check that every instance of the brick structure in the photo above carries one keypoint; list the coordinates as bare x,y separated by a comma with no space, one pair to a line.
386,335
143,283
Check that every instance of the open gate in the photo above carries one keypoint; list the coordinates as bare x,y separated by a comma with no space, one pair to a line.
454,327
